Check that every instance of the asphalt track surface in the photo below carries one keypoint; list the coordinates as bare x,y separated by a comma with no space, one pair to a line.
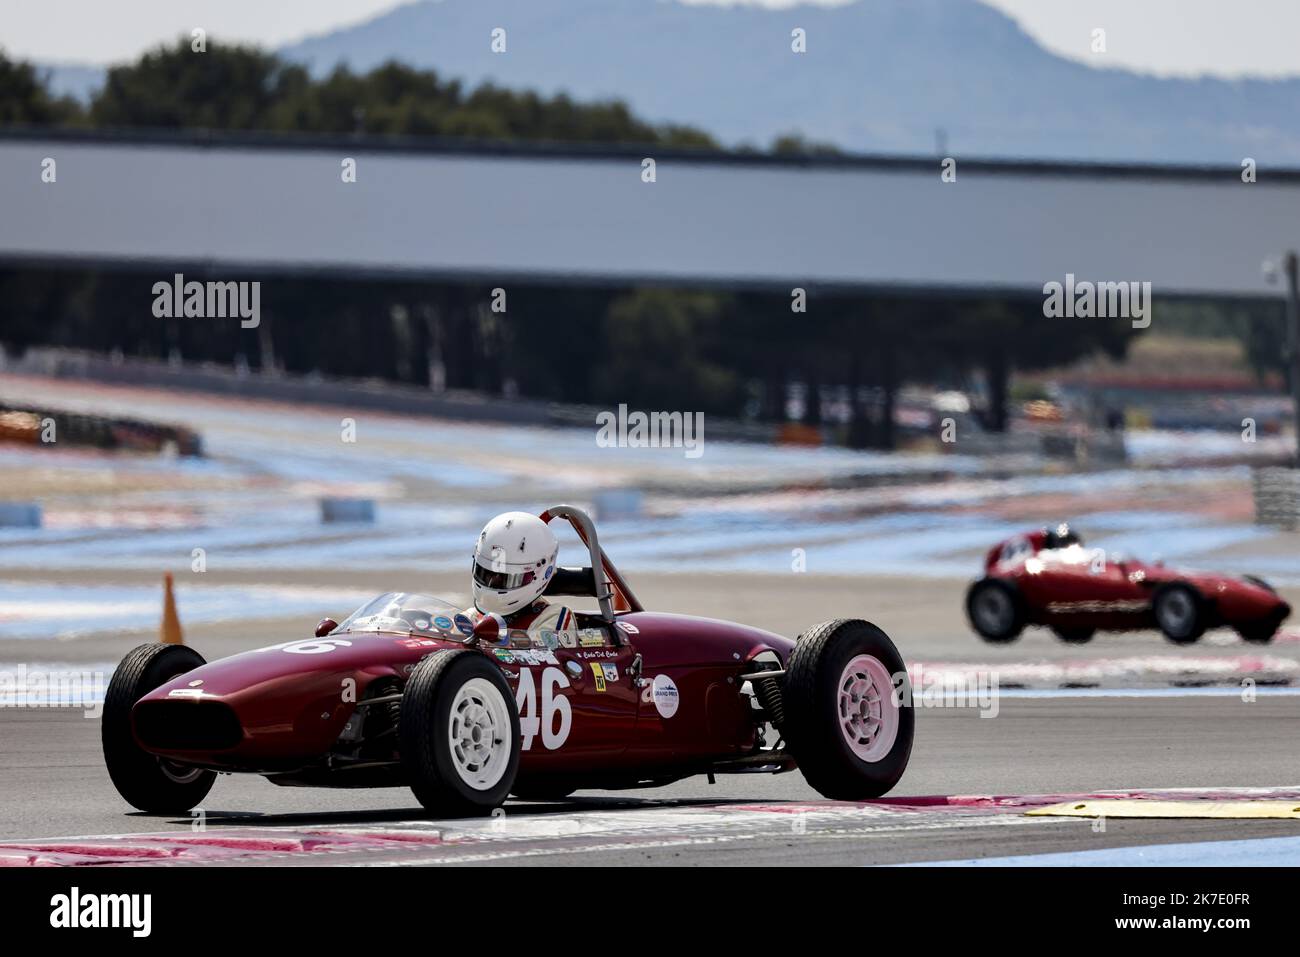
1047,743
53,786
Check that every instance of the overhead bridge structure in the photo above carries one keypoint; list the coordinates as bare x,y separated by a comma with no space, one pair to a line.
254,205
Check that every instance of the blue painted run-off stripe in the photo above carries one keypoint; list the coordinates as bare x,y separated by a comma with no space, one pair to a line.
1257,852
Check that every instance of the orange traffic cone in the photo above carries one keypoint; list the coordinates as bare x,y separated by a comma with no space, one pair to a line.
170,633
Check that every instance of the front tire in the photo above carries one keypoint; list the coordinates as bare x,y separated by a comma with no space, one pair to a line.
145,780
849,720
1179,612
459,730
995,610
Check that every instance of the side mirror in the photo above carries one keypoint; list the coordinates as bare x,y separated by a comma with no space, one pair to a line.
487,630
325,626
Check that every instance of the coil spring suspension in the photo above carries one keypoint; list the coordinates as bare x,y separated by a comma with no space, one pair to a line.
393,713
768,692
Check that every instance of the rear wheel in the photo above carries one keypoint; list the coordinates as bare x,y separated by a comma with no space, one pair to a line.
459,733
1075,636
849,718
994,609
147,781
1180,613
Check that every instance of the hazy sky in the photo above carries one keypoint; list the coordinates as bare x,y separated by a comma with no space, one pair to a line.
1184,37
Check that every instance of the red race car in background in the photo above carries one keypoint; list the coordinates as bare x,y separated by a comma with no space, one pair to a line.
408,691
1047,577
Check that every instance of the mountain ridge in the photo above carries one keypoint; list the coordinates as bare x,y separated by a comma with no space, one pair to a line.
879,76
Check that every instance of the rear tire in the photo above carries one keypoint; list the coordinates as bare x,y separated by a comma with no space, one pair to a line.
459,731
146,781
849,720
995,610
1179,612
1075,636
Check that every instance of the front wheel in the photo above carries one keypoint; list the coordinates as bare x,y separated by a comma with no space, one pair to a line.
1179,612
849,718
459,731
147,781
995,611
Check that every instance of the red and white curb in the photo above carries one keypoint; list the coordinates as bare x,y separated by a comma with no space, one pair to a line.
526,830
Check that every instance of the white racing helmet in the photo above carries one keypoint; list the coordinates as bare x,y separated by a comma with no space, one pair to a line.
513,561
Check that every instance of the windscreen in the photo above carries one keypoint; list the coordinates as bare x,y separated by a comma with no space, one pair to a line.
405,613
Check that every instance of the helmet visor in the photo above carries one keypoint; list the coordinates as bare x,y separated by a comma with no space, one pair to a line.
502,580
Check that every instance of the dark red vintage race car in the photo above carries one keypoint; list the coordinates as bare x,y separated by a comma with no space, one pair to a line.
1047,577
408,691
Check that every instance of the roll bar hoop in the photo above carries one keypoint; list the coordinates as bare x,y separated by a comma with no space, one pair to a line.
611,590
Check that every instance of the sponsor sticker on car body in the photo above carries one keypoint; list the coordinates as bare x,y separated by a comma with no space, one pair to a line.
663,693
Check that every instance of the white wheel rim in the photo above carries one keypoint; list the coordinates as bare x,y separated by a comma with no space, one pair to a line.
993,610
1175,613
868,713
478,731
